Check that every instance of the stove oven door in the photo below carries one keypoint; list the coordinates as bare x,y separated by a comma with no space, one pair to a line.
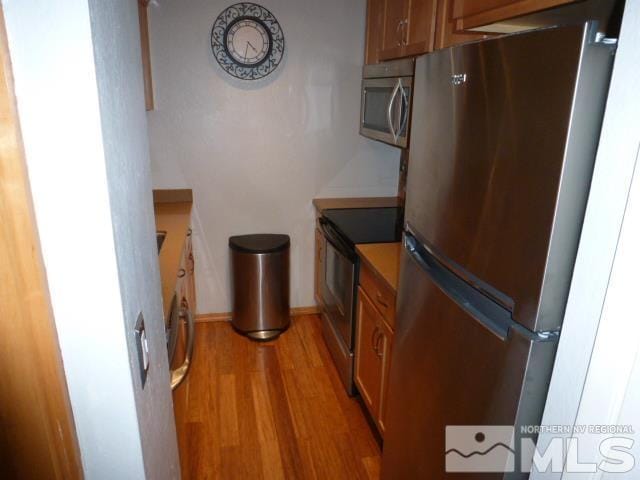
338,298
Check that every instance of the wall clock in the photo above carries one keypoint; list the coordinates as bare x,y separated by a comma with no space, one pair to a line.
247,41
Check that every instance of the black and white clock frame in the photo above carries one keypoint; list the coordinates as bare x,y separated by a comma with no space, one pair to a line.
247,41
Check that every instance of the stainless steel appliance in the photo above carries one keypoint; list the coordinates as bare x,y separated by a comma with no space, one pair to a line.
386,101
504,139
342,230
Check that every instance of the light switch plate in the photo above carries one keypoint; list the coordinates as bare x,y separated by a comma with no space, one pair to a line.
142,346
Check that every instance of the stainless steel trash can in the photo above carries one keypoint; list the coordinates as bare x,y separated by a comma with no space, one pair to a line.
260,282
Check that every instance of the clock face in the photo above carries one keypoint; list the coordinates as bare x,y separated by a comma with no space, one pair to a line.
247,41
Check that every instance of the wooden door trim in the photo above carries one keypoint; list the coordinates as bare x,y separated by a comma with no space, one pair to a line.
40,440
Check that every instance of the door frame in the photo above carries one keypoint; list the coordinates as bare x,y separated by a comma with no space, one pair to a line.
37,437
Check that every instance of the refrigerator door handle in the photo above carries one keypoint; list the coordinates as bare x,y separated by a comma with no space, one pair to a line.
485,311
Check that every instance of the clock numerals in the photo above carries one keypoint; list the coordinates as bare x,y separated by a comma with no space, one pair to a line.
248,42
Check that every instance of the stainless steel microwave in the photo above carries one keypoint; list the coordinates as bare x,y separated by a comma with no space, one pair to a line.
385,109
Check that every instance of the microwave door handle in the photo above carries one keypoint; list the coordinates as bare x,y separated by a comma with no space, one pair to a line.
400,100
404,111
364,105
390,111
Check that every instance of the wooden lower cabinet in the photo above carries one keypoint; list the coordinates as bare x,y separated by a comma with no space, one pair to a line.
374,339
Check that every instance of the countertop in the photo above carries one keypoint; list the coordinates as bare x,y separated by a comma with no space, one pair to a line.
175,219
358,202
383,259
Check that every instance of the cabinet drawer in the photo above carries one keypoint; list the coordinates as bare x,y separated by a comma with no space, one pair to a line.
383,297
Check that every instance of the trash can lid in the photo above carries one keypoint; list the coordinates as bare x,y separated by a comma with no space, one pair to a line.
259,243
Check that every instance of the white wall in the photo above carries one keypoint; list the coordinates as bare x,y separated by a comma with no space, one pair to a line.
256,153
82,118
592,374
126,151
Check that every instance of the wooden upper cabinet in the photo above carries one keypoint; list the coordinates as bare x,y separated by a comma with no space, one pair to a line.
446,35
477,13
375,31
420,26
409,28
395,14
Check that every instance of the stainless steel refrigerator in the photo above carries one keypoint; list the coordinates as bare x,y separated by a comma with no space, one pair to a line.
503,140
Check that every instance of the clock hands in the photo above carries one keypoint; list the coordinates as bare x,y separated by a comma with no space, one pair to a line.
246,50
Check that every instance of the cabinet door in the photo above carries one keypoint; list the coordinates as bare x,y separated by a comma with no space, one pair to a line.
319,265
375,31
446,35
395,15
369,357
386,347
419,30
475,13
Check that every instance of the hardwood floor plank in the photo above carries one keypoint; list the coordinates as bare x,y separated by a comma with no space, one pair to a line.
281,408
229,431
266,431
271,410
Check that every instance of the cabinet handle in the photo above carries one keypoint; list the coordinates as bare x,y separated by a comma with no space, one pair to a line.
374,340
399,33
181,273
377,349
381,301
405,32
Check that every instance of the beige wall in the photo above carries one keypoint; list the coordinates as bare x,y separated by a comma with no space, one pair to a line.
256,153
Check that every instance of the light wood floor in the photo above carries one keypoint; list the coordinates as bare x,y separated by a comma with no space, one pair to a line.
270,410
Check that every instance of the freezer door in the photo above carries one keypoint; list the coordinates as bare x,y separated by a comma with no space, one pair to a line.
451,366
502,145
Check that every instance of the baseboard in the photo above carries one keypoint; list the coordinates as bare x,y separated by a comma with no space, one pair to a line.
213,317
226,316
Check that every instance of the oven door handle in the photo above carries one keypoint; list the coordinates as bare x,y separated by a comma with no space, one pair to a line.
180,373
333,238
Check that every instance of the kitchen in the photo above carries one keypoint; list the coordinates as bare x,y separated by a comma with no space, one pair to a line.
285,154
